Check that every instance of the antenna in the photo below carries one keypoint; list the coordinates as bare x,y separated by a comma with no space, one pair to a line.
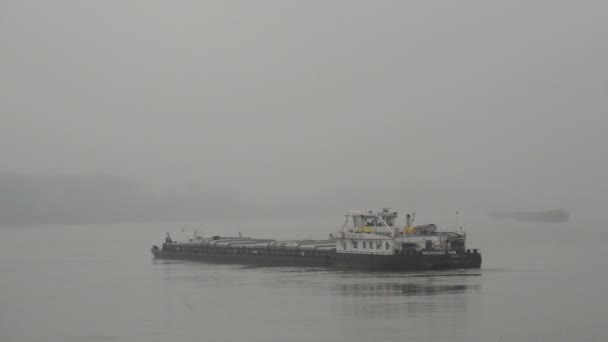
459,221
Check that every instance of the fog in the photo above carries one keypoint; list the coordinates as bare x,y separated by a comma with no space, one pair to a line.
156,110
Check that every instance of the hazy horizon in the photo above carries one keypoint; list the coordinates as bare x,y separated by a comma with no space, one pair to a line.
102,198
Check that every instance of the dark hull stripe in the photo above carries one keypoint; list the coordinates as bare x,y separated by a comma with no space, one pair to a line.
338,260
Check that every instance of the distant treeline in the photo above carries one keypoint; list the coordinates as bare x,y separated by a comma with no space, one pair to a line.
103,198
61,199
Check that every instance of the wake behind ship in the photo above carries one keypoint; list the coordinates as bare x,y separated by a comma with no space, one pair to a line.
367,241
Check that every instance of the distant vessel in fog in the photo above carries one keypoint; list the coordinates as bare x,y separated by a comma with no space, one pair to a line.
533,216
370,241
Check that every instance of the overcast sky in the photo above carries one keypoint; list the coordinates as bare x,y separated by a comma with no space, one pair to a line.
501,101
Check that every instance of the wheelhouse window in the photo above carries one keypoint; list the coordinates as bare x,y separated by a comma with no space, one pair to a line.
355,244
364,245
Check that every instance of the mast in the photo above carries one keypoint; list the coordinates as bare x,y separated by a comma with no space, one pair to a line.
391,230
459,222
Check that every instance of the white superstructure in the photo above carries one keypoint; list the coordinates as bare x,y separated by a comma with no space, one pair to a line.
369,233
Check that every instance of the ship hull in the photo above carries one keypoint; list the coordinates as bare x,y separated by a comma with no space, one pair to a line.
370,262
409,262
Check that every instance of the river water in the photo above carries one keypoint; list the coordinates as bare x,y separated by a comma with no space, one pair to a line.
538,282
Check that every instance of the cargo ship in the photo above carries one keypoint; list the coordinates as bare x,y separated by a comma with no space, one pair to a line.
366,241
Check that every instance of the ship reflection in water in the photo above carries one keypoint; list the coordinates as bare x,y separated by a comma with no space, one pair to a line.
416,295
395,290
